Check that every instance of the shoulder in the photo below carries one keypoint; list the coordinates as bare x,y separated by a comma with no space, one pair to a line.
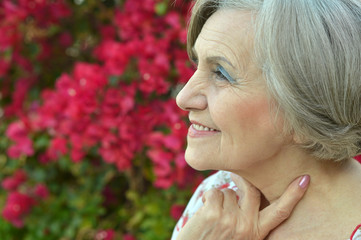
219,180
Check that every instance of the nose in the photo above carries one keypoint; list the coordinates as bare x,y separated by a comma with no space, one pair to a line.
193,95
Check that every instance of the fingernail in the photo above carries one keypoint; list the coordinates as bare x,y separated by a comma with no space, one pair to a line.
304,181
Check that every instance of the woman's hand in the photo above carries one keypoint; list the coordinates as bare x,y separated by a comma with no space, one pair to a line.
230,215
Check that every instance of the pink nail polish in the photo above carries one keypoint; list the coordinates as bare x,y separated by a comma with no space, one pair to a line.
304,181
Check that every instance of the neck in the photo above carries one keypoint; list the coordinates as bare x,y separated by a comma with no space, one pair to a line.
333,186
273,176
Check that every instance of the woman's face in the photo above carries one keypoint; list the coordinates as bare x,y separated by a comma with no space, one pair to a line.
232,126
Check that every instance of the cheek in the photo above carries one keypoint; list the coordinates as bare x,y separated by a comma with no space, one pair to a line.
247,126
251,113
257,115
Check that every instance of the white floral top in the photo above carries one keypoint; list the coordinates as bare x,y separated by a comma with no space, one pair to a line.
220,180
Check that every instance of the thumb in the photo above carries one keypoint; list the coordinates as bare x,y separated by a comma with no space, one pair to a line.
238,180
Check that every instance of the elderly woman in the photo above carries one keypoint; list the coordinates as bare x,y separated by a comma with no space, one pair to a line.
276,101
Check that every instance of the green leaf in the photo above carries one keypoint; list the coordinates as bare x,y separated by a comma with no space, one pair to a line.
132,196
54,29
136,219
161,8
41,142
113,81
64,163
33,49
39,174
152,209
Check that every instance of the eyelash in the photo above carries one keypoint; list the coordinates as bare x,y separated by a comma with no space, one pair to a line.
222,74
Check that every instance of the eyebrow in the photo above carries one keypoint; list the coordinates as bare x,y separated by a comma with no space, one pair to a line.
213,59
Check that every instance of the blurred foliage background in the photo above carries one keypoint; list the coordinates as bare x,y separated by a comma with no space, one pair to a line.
92,142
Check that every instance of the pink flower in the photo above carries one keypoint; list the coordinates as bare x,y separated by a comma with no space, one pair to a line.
16,207
108,32
184,67
162,167
119,106
45,50
65,39
173,19
183,36
13,182
118,156
44,158
59,10
115,56
44,12
135,19
58,147
176,211
41,191
23,146
16,131
182,171
110,197
22,87
77,155
173,142
128,237
13,13
26,65
105,235
89,76
4,67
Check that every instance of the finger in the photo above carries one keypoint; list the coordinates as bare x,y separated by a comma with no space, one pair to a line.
213,197
251,197
281,209
229,200
213,206
239,195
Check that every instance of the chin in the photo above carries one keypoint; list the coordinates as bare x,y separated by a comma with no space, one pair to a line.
197,163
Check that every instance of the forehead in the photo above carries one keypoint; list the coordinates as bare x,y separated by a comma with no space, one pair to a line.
228,33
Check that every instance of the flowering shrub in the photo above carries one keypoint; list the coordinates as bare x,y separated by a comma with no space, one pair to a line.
94,141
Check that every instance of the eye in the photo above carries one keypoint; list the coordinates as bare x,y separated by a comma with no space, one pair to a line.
222,74
194,62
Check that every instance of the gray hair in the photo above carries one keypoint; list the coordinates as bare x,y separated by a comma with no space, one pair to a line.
310,55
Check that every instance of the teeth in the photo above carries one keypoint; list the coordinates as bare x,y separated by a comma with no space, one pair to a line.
202,128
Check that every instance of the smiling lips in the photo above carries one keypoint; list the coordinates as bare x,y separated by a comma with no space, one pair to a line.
198,130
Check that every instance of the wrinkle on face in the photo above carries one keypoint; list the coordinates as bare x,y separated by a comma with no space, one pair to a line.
239,50
239,110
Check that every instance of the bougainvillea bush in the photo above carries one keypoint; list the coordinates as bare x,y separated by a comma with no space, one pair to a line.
92,142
